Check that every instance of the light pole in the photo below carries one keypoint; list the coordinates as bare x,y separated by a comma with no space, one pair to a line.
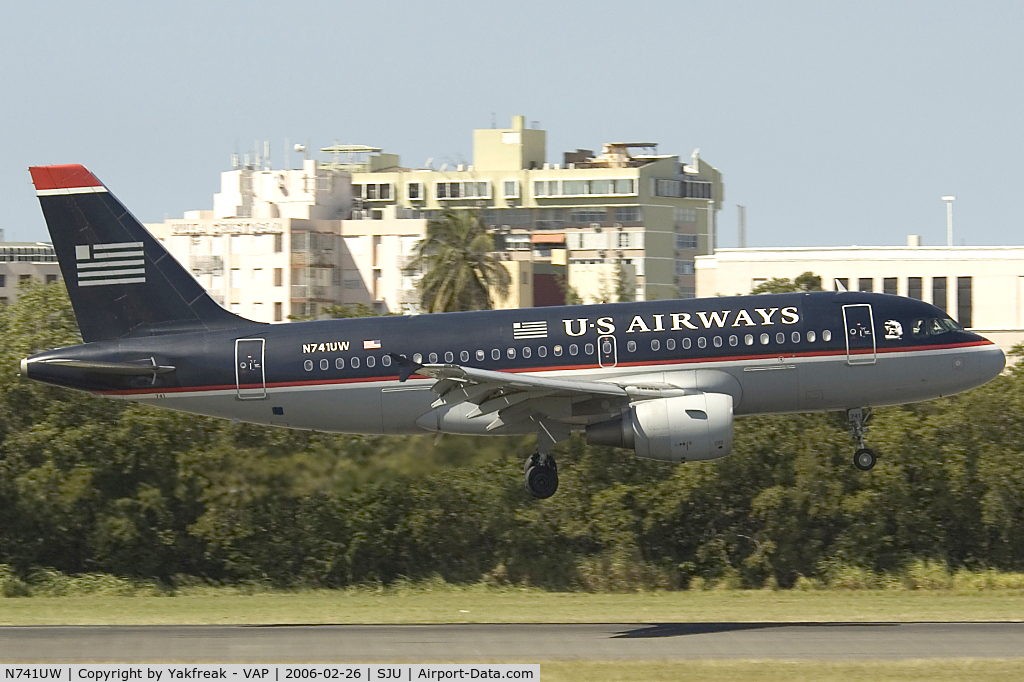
949,219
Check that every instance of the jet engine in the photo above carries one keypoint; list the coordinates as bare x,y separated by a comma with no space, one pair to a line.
681,429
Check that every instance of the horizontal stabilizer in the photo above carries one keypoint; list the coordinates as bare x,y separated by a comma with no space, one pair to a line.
119,368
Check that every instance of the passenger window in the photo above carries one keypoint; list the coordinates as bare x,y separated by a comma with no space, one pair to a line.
354,363
780,338
308,365
558,351
511,352
718,342
765,339
686,343
573,349
542,351
588,349
702,342
795,336
386,361
733,340
417,358
495,354
325,364
606,347
371,361
340,363
826,335
433,358
749,339
527,352
449,357
810,337
670,344
464,356
480,355
655,344
631,346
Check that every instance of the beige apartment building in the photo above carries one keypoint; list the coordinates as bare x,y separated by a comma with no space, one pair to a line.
592,215
23,262
982,287
278,244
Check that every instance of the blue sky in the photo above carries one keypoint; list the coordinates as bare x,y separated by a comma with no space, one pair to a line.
833,122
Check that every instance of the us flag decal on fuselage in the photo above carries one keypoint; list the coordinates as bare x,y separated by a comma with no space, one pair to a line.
530,330
101,264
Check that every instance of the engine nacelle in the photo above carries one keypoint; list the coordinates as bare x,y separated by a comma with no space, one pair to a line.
682,429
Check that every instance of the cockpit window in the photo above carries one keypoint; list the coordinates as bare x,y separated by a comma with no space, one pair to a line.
933,326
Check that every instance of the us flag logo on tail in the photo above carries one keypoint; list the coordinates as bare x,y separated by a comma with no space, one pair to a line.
530,330
102,264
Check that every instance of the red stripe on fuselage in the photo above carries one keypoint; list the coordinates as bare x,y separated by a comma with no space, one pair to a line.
62,177
593,365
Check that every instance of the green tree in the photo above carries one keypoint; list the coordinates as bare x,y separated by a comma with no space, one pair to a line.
458,265
807,281
625,287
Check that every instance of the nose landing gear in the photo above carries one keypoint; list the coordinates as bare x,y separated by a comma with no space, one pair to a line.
865,458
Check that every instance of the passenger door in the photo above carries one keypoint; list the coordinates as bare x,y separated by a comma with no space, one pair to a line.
250,378
859,325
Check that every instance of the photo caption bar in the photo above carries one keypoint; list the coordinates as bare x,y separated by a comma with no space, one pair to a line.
272,672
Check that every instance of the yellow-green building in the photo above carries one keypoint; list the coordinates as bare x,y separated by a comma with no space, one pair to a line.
627,212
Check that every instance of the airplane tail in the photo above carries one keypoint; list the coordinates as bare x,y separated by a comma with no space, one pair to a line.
121,280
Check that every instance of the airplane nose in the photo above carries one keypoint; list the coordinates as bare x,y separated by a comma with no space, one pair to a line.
992,362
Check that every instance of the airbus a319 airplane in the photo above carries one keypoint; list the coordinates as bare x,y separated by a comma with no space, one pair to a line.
663,378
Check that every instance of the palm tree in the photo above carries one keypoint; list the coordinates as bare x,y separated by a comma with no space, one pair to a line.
460,269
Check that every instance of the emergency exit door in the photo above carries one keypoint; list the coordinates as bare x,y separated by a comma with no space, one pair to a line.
250,379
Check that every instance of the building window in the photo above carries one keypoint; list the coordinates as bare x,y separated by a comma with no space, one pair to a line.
687,292
377,192
685,215
278,311
914,287
3,281
866,284
278,243
889,285
842,284
447,190
24,278
964,307
234,282
686,241
628,214
476,190
278,277
684,267
588,215
51,278
623,240
414,190
511,188
939,293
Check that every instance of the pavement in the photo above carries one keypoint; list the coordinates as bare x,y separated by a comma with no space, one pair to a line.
508,642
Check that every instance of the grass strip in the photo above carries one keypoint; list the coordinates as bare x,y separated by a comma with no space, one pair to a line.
201,606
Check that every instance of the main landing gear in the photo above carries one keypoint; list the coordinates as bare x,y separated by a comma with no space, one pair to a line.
865,458
541,475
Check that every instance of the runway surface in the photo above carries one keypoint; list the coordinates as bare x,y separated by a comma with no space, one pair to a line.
511,643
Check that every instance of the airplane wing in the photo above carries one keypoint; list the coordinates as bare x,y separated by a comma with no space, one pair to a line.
508,398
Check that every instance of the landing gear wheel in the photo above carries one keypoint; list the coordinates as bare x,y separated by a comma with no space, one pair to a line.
864,459
542,478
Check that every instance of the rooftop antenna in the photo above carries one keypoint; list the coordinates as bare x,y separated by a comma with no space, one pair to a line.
266,154
494,120
742,225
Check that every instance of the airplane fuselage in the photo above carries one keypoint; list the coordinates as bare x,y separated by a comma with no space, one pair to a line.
771,353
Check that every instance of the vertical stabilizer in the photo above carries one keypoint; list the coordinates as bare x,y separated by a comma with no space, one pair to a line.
121,280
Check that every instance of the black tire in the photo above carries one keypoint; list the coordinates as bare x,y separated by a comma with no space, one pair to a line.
542,481
865,459
531,461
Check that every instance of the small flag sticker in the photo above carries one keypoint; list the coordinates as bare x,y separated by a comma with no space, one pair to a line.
102,264
371,345
530,330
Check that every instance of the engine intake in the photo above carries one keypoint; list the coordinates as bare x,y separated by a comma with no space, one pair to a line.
682,429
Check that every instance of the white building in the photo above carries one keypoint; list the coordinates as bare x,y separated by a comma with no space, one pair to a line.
24,262
278,243
982,287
